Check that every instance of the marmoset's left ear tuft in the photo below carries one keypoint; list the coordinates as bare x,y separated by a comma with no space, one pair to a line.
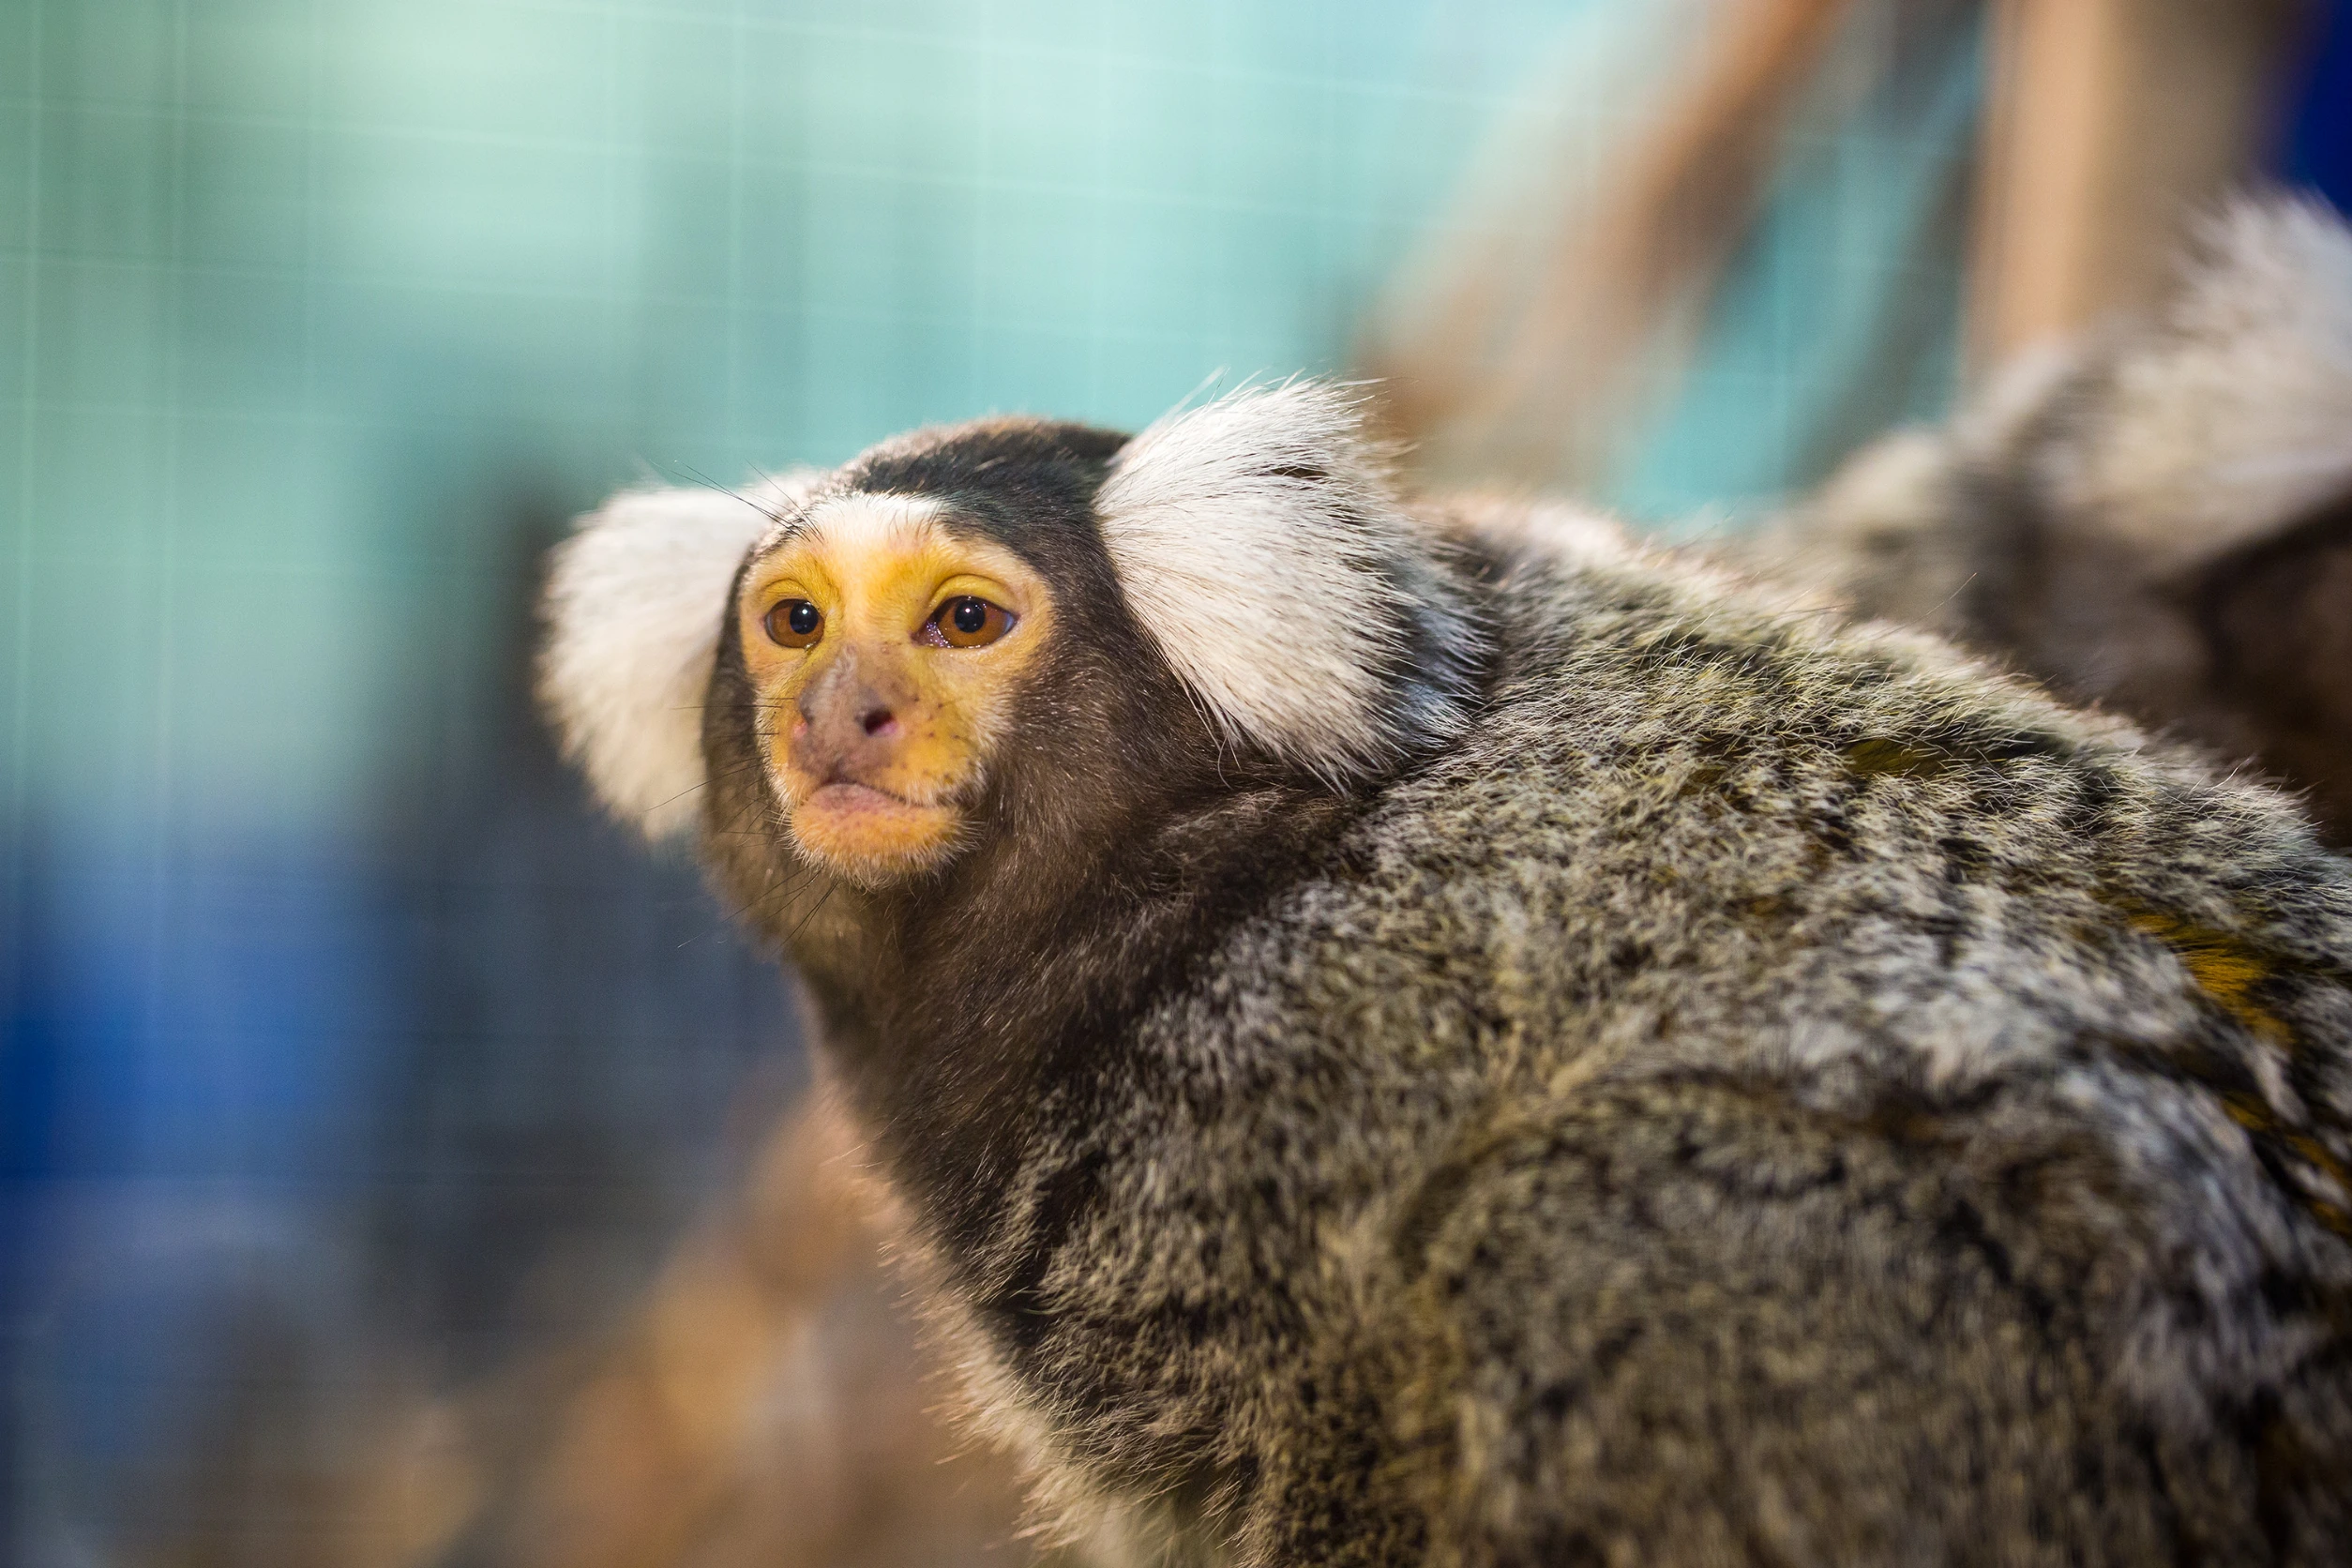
1262,546
635,600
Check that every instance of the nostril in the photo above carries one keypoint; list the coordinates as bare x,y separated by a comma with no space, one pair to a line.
874,721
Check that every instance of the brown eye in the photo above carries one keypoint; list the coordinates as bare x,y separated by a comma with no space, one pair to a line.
793,624
966,621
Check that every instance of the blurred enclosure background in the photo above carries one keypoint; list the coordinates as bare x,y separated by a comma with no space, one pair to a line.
358,1084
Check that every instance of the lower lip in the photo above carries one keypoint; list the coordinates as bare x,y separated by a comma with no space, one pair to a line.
846,799
857,808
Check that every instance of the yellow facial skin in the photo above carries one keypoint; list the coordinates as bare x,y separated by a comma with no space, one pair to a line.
876,734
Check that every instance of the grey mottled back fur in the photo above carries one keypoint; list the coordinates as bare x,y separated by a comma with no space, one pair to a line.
1770,1095
1749,1089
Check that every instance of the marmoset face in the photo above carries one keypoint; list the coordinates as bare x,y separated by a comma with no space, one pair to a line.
885,645
997,653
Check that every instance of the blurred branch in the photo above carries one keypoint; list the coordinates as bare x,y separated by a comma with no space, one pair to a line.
769,1403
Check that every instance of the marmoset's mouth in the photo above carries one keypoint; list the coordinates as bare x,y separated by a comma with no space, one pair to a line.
867,833
851,795
879,787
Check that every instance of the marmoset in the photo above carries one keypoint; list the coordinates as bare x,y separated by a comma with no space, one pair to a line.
2156,516
1420,1031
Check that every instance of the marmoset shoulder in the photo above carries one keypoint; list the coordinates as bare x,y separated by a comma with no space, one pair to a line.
1420,1031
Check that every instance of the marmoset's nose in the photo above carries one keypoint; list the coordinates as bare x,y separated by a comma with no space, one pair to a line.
853,720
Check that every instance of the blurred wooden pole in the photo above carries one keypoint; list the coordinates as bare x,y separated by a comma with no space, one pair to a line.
2108,125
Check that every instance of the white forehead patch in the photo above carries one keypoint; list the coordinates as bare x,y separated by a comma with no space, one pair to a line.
635,601
858,523
1263,548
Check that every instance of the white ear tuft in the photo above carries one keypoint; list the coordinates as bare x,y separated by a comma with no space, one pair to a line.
2233,416
1263,547
635,600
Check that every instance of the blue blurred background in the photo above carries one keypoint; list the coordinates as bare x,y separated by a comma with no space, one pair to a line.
340,1044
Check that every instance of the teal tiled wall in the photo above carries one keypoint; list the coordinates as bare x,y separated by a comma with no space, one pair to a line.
294,292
